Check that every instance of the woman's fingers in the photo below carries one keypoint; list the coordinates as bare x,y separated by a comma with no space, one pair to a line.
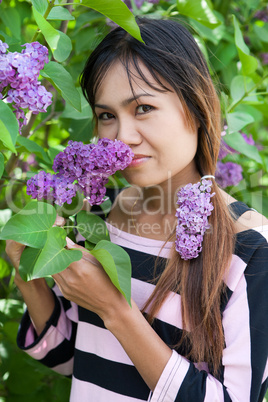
86,255
60,221
14,251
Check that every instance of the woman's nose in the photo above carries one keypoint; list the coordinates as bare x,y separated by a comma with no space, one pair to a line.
128,132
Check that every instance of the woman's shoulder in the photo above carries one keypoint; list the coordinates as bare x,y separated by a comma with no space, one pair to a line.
248,218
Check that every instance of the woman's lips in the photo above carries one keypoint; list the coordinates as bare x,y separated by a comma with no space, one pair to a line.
138,160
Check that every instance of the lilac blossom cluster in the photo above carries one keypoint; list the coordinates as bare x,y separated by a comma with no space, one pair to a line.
81,167
229,173
194,209
262,15
264,58
51,187
19,83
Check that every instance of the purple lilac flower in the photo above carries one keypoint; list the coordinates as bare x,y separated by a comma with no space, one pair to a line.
3,47
19,74
81,167
228,174
264,57
262,15
194,209
51,187
248,139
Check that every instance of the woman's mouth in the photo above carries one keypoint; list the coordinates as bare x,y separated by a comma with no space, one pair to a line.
138,160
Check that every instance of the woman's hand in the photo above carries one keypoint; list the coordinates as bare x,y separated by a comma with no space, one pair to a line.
14,251
86,283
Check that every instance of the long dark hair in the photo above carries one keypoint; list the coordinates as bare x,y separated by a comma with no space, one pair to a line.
171,53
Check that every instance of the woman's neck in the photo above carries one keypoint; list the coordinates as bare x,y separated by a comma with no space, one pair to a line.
162,198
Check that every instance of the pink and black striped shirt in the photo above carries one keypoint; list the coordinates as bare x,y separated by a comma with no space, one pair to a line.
76,343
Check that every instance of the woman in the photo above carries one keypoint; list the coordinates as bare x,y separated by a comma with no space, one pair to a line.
197,329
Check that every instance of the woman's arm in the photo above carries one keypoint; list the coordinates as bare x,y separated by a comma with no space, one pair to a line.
86,283
166,372
36,294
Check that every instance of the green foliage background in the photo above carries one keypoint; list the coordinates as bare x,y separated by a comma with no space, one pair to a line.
234,40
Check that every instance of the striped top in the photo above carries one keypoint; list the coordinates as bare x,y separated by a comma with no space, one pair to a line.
76,343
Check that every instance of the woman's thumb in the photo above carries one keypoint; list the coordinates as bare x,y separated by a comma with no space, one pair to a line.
86,255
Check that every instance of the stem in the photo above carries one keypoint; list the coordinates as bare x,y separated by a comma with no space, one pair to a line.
234,105
49,8
66,4
134,7
11,281
169,10
49,116
15,180
64,24
25,133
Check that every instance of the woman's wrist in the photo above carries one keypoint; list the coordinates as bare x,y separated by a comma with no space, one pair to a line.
32,285
116,314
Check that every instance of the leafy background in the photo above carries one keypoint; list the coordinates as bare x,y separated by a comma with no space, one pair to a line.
233,35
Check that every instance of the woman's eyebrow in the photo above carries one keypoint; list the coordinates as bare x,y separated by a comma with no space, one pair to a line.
125,102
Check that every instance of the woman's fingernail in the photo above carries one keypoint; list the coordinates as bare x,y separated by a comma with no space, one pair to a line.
69,242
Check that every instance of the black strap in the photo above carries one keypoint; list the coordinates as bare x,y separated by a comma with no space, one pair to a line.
238,208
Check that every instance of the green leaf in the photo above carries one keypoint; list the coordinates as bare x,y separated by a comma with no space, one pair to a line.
71,113
118,12
63,83
79,130
60,13
2,164
33,147
214,35
40,5
53,151
106,206
239,86
262,32
5,215
92,227
11,19
9,127
54,257
85,39
198,10
224,53
238,120
89,246
4,268
202,47
116,263
28,260
30,225
249,63
237,142
59,43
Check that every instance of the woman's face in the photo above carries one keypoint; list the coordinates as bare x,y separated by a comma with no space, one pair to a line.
152,123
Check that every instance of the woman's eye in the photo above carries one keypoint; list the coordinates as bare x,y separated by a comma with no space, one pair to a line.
144,109
105,116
